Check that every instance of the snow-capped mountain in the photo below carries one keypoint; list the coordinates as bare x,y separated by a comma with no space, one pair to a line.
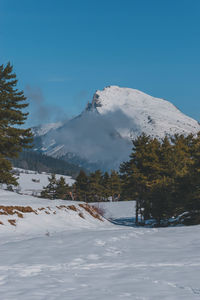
101,135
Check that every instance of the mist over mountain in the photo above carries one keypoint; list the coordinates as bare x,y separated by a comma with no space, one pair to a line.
100,137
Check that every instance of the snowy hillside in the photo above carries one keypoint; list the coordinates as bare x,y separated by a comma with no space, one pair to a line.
100,137
30,215
53,253
32,183
114,210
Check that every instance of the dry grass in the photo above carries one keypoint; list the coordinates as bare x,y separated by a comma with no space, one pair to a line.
12,222
61,206
91,211
11,210
99,210
72,207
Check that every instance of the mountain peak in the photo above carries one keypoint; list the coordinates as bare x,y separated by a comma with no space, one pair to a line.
155,116
102,134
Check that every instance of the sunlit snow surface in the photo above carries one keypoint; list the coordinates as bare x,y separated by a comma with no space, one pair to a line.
99,262
31,182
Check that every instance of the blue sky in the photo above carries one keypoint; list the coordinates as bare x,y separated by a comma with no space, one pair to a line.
62,50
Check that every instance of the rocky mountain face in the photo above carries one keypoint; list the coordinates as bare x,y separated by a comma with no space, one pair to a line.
100,137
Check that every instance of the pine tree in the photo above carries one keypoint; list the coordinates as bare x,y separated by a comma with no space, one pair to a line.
12,138
62,189
140,174
106,186
115,185
163,176
81,186
190,186
95,187
50,190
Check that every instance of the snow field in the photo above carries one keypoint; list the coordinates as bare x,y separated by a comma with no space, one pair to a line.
114,210
103,263
63,256
31,182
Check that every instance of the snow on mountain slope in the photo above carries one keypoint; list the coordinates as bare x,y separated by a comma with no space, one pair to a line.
101,135
44,129
154,116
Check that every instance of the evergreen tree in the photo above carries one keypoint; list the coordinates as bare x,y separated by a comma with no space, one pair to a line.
95,187
163,176
140,173
191,184
12,138
105,186
81,186
50,190
62,189
115,185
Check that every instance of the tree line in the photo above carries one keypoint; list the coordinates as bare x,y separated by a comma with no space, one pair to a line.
35,161
95,187
13,138
163,176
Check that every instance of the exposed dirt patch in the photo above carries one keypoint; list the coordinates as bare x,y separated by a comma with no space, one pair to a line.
1,223
91,211
12,222
99,210
61,206
11,210
81,215
41,208
72,207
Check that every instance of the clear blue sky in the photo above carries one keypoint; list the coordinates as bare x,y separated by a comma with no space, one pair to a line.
66,49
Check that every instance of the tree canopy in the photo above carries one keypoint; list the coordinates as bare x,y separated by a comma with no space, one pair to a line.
13,138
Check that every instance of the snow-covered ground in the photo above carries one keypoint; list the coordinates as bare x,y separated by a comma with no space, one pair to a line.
32,183
97,261
115,210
